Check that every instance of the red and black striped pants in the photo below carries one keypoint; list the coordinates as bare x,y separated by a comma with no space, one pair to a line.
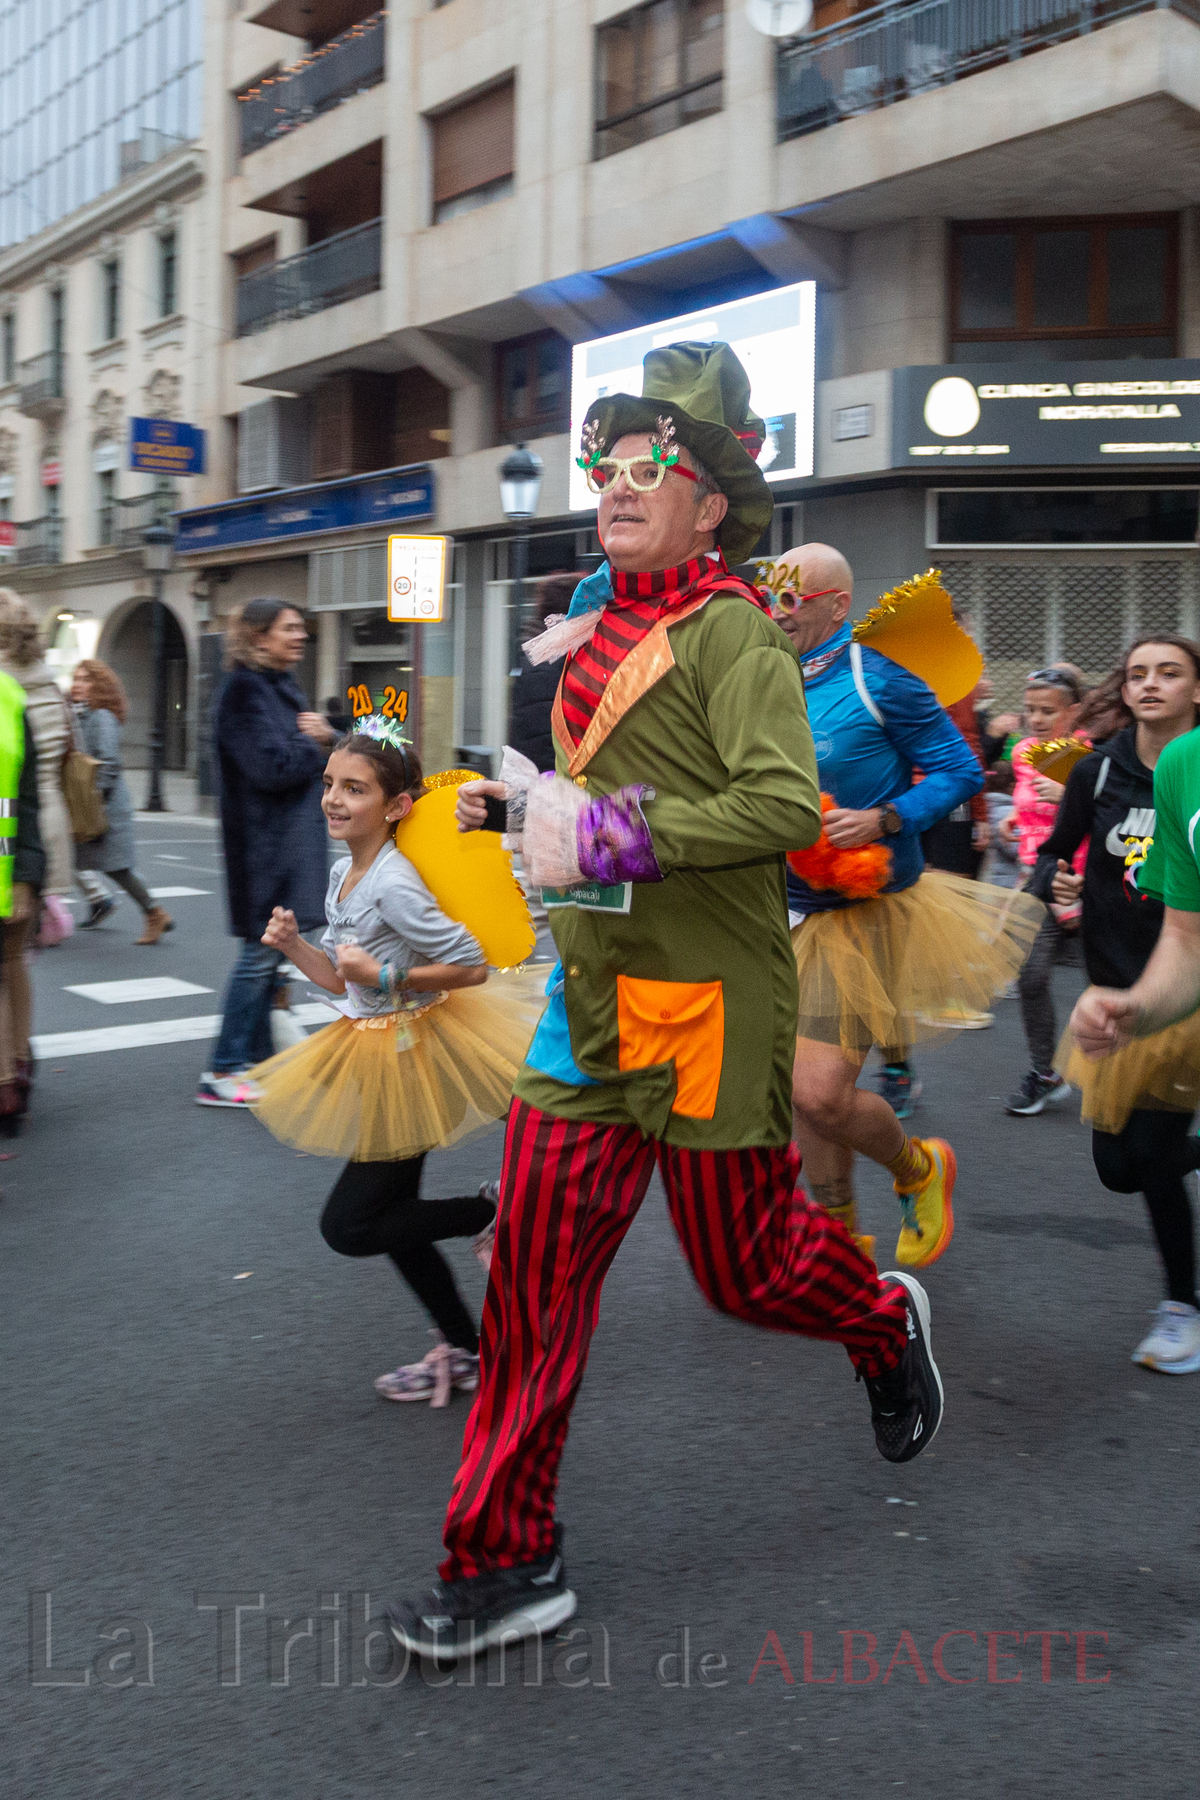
569,1193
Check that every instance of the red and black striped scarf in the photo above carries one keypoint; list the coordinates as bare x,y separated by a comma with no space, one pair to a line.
639,601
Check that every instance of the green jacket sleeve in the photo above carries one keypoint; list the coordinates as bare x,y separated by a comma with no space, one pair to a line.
1169,872
759,726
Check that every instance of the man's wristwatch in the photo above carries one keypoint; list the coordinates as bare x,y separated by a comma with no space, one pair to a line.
890,820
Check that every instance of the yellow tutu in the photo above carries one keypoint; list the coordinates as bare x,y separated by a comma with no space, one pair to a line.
1160,1073
901,968
404,1082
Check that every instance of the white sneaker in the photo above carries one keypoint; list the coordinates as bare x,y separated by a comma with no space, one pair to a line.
1173,1347
226,1090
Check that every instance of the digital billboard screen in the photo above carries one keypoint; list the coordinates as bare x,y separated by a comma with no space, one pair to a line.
774,336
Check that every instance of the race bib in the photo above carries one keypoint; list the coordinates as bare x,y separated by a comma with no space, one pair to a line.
590,896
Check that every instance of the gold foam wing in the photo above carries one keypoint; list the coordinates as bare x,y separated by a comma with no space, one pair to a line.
916,627
1057,757
469,873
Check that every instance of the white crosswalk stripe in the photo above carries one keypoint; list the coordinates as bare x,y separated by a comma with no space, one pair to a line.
143,987
57,1044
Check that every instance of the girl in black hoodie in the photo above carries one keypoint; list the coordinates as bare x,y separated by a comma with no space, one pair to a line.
1140,1101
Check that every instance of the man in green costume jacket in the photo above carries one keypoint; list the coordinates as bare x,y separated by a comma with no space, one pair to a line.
685,772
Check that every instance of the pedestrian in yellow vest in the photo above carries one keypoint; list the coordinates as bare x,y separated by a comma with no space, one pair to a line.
22,866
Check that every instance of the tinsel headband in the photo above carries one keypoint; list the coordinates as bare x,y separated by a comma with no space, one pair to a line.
385,731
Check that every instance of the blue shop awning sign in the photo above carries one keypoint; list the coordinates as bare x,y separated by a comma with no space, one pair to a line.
166,447
392,496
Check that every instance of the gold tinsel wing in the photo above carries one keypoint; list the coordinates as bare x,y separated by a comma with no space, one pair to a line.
1057,757
469,873
916,627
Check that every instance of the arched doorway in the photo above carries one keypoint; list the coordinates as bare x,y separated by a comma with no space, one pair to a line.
130,651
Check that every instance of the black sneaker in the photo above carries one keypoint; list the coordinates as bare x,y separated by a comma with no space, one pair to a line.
900,1088
100,909
1037,1091
461,1619
906,1403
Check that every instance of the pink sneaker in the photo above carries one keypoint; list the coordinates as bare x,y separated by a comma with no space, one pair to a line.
444,1369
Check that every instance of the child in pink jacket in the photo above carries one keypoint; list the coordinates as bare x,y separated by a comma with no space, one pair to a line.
1052,701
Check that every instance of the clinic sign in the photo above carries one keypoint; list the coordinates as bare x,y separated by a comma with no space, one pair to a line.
166,447
997,415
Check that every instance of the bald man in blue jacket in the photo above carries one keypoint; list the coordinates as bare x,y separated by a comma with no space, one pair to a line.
872,723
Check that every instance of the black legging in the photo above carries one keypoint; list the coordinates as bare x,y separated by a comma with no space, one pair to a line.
950,845
134,886
374,1210
1151,1157
1053,945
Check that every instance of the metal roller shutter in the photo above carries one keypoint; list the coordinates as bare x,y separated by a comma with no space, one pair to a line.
1024,615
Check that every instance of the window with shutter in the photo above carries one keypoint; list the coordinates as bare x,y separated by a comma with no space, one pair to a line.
472,151
1063,289
353,415
657,67
534,387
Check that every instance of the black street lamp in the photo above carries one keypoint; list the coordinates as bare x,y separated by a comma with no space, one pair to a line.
158,543
520,489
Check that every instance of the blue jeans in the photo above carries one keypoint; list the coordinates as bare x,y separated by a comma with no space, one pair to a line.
246,1028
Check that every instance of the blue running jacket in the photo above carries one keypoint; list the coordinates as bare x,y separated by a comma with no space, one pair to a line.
872,722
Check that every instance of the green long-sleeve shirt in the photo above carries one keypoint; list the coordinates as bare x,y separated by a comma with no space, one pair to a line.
722,736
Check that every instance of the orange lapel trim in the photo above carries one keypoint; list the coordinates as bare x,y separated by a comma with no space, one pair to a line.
558,723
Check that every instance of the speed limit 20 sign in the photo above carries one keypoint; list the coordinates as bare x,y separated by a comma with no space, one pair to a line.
417,579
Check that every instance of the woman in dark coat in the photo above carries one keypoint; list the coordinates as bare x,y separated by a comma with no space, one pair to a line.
270,753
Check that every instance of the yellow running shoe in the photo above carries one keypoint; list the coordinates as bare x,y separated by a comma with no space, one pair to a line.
866,1244
928,1213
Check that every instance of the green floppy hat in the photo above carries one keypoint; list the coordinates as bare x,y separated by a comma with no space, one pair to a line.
705,393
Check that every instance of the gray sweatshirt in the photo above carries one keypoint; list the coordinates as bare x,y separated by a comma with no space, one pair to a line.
393,916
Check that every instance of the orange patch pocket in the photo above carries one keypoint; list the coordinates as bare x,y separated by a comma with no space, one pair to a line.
675,1021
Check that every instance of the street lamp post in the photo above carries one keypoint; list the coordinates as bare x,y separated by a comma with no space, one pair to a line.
157,546
520,490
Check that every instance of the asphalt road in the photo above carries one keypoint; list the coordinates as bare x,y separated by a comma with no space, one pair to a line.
187,1411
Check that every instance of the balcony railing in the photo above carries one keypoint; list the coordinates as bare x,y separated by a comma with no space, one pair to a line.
338,268
909,46
41,383
346,65
39,540
130,519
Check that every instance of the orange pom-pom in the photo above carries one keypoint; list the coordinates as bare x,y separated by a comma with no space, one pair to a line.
860,874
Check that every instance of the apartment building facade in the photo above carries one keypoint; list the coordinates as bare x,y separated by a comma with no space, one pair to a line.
106,315
424,208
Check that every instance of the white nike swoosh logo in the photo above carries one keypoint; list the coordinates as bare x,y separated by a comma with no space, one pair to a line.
549,1577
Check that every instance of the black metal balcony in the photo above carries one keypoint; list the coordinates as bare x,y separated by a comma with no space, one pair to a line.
906,47
346,65
41,383
130,519
39,540
338,268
